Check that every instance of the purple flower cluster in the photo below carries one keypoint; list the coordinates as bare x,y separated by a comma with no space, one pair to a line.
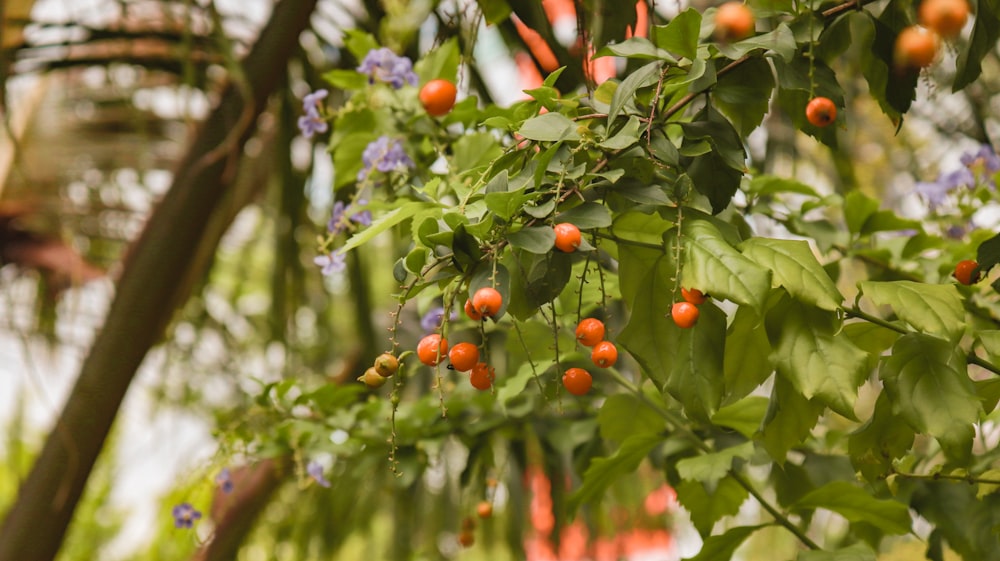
383,65
384,154
224,481
312,122
431,321
337,222
315,470
333,262
977,166
184,515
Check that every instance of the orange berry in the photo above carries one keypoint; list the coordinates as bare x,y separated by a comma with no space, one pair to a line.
386,364
694,296
733,21
471,311
487,301
482,376
373,379
567,237
438,97
466,538
916,47
577,381
590,332
944,17
821,112
431,349
463,356
685,314
484,509
605,354
966,272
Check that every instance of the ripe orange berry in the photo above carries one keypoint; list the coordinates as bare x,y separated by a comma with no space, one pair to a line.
463,356
966,273
431,349
482,376
386,364
944,17
605,354
471,311
487,301
567,237
916,47
590,332
733,21
694,296
577,381
821,112
484,509
438,97
466,538
685,314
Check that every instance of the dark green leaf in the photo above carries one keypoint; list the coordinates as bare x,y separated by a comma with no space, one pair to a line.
623,415
494,11
857,505
680,36
720,547
643,77
650,336
696,377
985,33
747,358
605,471
586,216
988,253
789,419
716,268
708,506
535,239
744,94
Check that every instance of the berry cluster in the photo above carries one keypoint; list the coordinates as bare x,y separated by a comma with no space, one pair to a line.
385,365
685,314
590,333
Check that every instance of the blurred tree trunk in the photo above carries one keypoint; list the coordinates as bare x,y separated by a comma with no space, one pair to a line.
157,278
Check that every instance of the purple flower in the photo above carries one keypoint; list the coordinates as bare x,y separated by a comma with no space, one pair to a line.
336,223
431,321
984,162
315,470
365,216
310,103
383,65
185,515
224,481
333,262
936,192
384,154
312,122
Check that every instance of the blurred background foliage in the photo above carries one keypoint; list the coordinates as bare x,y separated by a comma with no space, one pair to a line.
99,99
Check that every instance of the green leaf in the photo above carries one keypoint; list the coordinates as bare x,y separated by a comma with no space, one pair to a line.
858,207
744,416
534,239
680,36
627,136
879,441
773,185
637,48
716,268
856,552
887,221
781,41
812,353
643,77
710,468
927,381
794,266
586,216
708,506
345,79
440,62
539,279
507,204
744,94
894,90
696,377
475,150
988,253
931,308
635,226
650,336
623,415
789,419
550,127
985,32
990,340
719,547
513,386
494,11
359,43
857,505
384,222
602,472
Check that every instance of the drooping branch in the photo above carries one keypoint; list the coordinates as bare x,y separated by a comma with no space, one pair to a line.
157,279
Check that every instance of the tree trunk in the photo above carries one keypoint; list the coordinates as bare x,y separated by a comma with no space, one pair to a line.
157,278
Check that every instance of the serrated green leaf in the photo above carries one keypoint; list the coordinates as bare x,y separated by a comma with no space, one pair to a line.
696,377
650,336
879,441
747,358
856,552
744,416
812,354
710,468
857,505
744,94
926,378
931,308
789,419
602,472
716,268
708,507
680,35
794,266
550,127
623,415
383,223
719,547
990,340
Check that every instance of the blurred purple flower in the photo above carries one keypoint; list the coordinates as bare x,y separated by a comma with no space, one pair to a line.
365,216
312,122
937,191
384,154
984,162
224,481
185,515
315,470
957,231
383,65
331,263
336,223
431,321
